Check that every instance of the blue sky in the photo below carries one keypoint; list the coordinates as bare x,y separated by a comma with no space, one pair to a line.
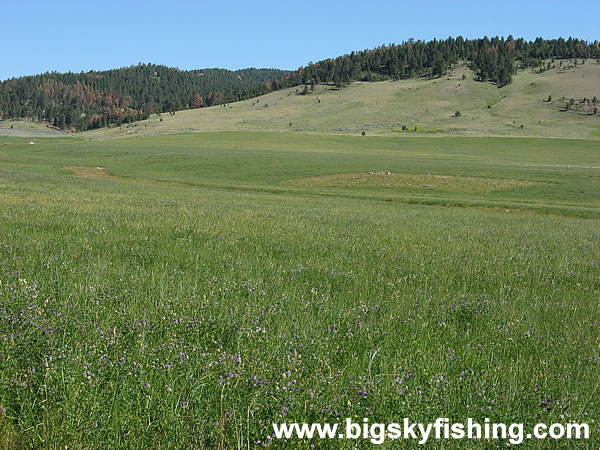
82,35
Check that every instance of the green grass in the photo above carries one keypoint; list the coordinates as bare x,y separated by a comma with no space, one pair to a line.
561,181
144,314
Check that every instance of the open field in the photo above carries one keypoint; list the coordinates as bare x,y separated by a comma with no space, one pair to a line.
192,289
383,108
543,176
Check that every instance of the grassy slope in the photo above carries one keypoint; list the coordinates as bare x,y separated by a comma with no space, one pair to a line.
27,128
381,108
140,315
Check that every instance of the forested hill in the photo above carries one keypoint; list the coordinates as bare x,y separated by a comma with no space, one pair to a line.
494,59
97,99
82,101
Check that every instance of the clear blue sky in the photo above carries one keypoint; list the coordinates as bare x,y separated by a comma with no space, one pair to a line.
40,36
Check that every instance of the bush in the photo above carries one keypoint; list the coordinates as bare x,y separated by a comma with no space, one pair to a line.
457,114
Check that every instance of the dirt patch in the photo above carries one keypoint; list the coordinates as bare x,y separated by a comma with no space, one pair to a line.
100,174
93,172
387,179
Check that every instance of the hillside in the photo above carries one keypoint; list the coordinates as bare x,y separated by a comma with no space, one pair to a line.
78,102
519,109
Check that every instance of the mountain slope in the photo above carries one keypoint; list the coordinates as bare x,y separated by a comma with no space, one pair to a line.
96,99
77,102
385,107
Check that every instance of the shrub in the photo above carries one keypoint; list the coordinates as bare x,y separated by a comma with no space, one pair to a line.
457,114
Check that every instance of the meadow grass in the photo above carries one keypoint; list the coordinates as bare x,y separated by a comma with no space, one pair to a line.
553,176
144,314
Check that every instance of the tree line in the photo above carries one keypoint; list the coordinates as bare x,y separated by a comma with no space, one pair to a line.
494,59
82,101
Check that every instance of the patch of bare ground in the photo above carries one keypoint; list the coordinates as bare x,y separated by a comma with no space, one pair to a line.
99,173
388,179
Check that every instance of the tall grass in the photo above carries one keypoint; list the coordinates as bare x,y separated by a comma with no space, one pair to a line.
156,315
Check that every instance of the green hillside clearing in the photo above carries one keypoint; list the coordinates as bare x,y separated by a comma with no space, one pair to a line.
383,108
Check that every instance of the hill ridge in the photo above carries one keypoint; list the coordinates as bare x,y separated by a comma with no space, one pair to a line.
79,102
397,107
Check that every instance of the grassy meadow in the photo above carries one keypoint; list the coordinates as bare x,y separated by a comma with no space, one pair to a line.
189,290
